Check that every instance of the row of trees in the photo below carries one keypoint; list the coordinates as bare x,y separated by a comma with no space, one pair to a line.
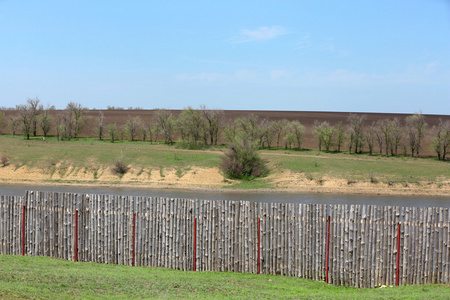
33,116
388,134
194,127
199,127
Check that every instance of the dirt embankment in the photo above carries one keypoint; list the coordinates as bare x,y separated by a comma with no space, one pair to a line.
209,179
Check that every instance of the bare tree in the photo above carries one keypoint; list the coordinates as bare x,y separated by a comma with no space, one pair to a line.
249,125
441,140
397,136
166,123
416,126
35,110
14,124
230,131
2,121
278,128
356,126
295,133
100,125
379,137
370,135
385,127
26,119
267,134
340,135
143,132
65,120
45,121
153,132
324,132
132,127
192,127
318,133
60,126
77,119
289,137
214,119
112,131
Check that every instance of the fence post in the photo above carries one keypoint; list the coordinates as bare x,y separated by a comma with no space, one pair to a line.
23,230
195,244
76,235
398,255
134,237
328,248
259,245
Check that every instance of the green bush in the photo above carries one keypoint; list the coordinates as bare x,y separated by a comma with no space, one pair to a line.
242,161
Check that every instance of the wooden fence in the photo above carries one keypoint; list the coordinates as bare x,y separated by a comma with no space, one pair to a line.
352,245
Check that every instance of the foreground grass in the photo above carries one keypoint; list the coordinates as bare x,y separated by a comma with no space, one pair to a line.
57,156
46,278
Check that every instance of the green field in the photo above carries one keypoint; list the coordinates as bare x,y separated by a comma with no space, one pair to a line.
312,164
47,278
362,167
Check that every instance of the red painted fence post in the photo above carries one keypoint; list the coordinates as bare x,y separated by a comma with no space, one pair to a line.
134,237
23,230
76,235
195,244
259,245
398,255
328,248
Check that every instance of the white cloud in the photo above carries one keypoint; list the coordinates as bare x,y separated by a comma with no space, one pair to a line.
260,34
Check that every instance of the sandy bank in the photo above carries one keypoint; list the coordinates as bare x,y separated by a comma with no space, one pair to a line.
209,179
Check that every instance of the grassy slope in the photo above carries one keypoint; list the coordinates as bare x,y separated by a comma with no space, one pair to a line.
312,164
361,167
85,152
46,278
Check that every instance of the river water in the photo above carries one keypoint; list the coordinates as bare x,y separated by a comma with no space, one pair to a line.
411,201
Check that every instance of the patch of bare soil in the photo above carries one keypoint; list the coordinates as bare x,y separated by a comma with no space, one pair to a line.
211,179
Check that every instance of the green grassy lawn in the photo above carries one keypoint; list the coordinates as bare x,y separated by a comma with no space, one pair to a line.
47,278
92,153
87,152
360,167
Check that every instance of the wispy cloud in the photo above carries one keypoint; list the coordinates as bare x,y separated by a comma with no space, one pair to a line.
260,34
325,45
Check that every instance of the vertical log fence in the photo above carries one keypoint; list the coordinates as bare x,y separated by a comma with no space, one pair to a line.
352,245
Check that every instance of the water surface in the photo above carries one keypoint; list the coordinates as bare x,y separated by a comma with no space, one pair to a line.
411,201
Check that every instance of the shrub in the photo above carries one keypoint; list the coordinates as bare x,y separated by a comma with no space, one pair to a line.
4,161
120,168
242,161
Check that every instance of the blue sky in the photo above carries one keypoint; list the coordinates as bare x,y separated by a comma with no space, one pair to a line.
361,56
